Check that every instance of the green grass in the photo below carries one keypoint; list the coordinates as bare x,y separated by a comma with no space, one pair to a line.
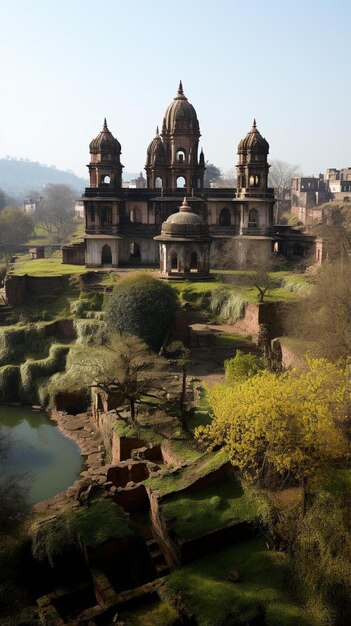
195,514
171,482
263,588
185,450
152,613
99,522
45,267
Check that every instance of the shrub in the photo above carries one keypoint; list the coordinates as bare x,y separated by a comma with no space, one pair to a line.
90,332
141,305
15,342
241,366
32,372
228,305
9,383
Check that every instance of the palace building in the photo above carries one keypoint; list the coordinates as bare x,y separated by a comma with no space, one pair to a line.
123,225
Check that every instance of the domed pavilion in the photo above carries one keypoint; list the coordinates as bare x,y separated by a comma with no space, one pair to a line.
184,246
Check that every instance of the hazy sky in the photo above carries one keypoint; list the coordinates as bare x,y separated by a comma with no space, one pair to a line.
66,64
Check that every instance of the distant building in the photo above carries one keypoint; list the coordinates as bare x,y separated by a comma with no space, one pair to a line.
308,193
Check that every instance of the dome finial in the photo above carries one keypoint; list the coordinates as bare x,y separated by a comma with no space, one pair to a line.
105,124
254,123
180,89
157,130
185,206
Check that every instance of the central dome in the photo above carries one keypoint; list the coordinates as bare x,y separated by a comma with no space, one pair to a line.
184,216
180,115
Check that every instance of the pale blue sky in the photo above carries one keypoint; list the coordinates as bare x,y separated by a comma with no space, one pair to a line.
65,65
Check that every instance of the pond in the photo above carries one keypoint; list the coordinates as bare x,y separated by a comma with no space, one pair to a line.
52,460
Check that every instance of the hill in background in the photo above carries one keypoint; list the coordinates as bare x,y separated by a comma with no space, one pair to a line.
18,177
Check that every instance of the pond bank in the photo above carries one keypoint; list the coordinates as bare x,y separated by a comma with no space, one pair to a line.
80,429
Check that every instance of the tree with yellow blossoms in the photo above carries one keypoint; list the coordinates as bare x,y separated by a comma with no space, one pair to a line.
290,425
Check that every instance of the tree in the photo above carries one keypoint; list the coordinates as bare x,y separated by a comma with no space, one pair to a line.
323,317
180,355
3,200
212,174
280,176
55,210
141,305
289,426
15,228
125,370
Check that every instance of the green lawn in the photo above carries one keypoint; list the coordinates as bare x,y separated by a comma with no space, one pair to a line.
45,267
194,514
263,588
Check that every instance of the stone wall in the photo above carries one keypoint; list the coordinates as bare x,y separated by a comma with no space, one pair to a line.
272,314
74,254
19,289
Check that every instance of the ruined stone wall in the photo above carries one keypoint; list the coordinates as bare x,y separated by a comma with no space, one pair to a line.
19,289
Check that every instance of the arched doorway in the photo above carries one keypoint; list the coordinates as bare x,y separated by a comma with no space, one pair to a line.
174,262
193,262
106,255
224,217
134,253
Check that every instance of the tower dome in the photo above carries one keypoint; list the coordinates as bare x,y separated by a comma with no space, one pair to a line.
180,115
156,151
254,141
105,143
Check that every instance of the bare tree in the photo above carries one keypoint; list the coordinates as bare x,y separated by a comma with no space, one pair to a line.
55,211
280,176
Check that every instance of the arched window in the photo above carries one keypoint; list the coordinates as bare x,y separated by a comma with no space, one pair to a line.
134,252
135,215
253,218
105,179
180,156
158,182
224,217
106,255
181,182
193,262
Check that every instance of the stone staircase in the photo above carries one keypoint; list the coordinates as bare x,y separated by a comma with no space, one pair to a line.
157,558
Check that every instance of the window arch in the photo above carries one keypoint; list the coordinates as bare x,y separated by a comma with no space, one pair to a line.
105,179
181,182
224,217
158,182
253,218
180,155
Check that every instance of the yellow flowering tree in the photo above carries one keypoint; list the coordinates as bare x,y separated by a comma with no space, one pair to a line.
292,425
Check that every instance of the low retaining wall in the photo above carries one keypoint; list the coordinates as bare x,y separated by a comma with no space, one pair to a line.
272,314
19,289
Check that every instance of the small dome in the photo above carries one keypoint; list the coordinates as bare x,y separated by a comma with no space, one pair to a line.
254,141
105,143
184,216
180,115
156,151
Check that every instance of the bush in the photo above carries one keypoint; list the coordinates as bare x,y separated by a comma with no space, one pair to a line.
90,332
9,383
242,366
32,372
15,342
228,305
81,307
143,306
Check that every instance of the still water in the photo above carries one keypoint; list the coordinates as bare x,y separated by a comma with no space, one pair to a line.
52,460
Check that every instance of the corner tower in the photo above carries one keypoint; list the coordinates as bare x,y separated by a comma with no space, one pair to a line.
172,156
